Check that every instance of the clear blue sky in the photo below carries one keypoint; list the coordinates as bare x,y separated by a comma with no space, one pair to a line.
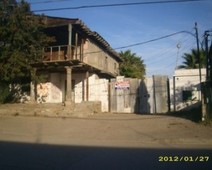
125,25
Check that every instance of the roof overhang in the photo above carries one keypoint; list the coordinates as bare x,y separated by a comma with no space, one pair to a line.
81,27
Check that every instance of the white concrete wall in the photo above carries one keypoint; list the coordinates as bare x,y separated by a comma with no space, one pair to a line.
79,89
56,89
186,79
53,91
98,91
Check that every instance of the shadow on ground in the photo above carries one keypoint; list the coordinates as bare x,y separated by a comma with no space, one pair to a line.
193,114
25,156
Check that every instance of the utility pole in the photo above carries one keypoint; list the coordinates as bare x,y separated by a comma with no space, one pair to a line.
198,53
207,56
210,63
202,94
208,83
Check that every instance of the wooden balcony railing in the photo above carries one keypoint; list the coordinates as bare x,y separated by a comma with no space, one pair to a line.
60,53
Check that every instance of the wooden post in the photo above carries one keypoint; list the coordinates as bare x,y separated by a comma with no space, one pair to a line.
82,49
50,53
76,43
59,53
69,42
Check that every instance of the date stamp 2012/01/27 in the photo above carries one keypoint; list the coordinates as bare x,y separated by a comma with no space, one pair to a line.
183,158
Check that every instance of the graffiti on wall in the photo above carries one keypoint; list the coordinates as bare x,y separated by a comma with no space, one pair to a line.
43,92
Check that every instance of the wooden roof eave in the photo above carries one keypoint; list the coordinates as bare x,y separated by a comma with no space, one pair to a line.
81,27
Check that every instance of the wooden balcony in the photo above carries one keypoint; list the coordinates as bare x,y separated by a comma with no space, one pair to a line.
62,53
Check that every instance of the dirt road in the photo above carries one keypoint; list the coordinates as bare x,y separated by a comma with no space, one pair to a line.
104,141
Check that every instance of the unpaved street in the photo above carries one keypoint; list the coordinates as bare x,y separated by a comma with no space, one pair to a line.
104,141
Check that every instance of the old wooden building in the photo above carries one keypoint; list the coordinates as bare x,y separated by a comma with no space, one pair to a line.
69,64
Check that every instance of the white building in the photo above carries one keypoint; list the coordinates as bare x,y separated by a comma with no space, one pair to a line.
185,88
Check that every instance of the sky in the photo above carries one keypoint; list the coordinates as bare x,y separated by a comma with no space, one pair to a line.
126,25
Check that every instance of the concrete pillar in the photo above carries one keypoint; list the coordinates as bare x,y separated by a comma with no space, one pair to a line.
32,92
87,85
33,88
69,84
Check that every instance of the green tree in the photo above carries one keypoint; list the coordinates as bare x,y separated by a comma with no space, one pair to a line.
22,40
132,65
191,60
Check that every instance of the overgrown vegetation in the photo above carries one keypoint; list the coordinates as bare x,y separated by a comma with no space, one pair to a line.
22,40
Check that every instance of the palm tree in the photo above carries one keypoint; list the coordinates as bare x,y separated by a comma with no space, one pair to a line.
132,66
191,60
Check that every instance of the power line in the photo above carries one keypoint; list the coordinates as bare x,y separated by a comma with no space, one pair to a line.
168,64
141,43
116,5
165,56
48,1
145,42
